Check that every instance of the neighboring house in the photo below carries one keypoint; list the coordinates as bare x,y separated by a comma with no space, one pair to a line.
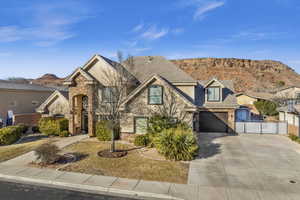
57,104
288,95
205,105
19,101
290,114
247,110
291,92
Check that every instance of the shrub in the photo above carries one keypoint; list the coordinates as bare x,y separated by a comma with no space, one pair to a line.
35,129
53,126
293,137
24,128
47,153
177,144
158,123
64,134
104,131
11,134
266,107
141,140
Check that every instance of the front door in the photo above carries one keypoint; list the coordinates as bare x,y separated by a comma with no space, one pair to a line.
84,115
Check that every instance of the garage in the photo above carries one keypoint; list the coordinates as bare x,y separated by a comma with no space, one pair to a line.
213,121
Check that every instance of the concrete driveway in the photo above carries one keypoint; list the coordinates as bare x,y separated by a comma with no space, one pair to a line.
246,167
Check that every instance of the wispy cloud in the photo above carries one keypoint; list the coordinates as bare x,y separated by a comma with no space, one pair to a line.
178,31
153,33
48,25
257,35
205,8
138,27
202,7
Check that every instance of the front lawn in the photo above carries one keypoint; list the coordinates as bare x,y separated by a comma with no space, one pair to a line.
11,151
132,166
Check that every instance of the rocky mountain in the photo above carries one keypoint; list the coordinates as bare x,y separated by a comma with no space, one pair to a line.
257,75
49,80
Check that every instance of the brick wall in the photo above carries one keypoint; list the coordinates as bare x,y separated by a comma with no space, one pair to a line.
30,119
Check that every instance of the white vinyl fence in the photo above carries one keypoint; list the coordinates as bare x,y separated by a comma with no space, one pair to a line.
262,127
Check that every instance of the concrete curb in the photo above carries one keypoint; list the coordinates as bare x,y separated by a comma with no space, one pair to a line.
88,188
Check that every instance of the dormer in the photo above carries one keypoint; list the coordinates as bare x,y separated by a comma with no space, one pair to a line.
213,91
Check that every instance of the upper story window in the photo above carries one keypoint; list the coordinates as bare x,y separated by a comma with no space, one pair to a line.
155,95
213,94
109,94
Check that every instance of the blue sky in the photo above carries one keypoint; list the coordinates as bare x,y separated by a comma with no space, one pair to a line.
38,37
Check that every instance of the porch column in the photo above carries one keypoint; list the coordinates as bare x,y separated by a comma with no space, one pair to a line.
91,112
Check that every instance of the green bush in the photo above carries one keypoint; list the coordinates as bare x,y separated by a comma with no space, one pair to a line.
158,123
104,131
293,137
10,134
141,140
47,153
53,126
266,107
35,129
177,144
24,128
64,134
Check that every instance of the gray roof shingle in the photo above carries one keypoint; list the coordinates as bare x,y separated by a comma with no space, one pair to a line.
16,86
146,66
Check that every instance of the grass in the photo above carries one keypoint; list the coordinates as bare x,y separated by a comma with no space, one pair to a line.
132,166
14,150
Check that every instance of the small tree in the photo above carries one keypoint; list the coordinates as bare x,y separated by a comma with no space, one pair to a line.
266,107
118,83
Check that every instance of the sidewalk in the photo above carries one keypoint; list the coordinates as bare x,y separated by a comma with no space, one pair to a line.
99,184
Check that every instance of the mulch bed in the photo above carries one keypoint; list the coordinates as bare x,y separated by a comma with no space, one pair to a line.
108,154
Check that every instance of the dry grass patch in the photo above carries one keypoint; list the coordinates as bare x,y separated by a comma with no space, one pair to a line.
14,150
132,166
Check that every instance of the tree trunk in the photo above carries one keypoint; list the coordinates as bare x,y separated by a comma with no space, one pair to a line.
113,148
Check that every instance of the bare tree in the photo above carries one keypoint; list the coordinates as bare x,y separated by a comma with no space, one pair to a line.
118,83
171,107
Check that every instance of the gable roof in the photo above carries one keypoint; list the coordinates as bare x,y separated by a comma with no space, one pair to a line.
78,71
166,83
211,81
146,66
18,86
286,87
257,95
290,109
51,99
226,83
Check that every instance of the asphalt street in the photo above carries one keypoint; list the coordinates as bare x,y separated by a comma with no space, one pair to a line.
20,191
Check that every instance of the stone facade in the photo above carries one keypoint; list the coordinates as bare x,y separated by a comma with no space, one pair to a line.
77,90
139,107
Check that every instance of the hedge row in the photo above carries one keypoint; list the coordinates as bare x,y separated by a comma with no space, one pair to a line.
53,126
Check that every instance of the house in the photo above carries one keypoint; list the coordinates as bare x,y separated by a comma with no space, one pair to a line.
57,104
290,114
156,84
247,111
290,92
19,101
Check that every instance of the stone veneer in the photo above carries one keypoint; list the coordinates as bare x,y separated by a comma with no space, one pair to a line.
79,89
139,107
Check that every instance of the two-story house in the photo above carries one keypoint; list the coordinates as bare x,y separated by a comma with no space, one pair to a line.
207,106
